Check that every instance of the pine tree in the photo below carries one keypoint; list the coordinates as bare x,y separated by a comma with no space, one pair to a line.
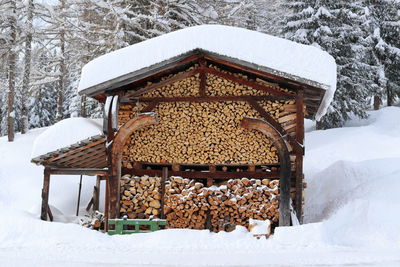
338,28
385,32
43,103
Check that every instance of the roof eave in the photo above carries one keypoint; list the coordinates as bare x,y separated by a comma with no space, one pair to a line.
161,66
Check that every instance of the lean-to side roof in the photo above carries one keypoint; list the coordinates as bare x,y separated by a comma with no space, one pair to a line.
87,153
305,64
71,143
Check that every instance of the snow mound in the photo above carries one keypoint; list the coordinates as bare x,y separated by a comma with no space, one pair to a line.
65,133
359,202
279,56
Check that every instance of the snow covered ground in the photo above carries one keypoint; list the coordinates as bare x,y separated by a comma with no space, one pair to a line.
352,212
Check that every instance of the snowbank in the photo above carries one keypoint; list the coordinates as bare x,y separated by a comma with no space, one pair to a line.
282,57
65,133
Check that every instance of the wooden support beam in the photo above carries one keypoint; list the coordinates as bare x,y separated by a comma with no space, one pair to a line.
107,205
224,175
212,98
45,195
76,171
164,178
295,145
285,173
299,156
210,181
79,196
51,218
203,78
149,107
96,193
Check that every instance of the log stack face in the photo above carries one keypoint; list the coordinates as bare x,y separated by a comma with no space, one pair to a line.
205,132
189,204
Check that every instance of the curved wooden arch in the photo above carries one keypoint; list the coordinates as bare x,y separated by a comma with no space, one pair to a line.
284,182
115,156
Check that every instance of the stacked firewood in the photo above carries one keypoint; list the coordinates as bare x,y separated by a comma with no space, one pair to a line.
189,204
217,86
186,87
201,133
207,132
140,196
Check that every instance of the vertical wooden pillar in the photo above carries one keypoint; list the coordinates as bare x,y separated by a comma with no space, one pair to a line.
107,205
203,77
96,194
164,177
45,194
299,155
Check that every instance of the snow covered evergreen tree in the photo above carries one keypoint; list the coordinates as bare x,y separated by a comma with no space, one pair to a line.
385,33
338,28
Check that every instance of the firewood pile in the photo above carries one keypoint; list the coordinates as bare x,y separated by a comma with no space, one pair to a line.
201,133
189,204
93,221
205,132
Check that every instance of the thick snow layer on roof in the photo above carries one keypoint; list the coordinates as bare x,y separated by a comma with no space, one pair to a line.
282,57
65,133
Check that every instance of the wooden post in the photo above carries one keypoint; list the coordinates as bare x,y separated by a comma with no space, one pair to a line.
45,194
79,196
203,78
299,156
114,154
164,177
271,132
96,195
212,168
107,205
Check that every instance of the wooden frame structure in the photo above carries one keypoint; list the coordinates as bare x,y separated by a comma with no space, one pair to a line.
132,92
108,165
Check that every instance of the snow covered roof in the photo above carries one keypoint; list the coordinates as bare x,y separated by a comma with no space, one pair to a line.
297,62
64,134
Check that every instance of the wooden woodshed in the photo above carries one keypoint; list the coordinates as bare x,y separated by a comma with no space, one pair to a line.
221,107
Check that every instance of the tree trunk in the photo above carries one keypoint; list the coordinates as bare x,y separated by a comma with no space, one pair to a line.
27,70
377,102
319,126
11,74
61,82
83,106
389,95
